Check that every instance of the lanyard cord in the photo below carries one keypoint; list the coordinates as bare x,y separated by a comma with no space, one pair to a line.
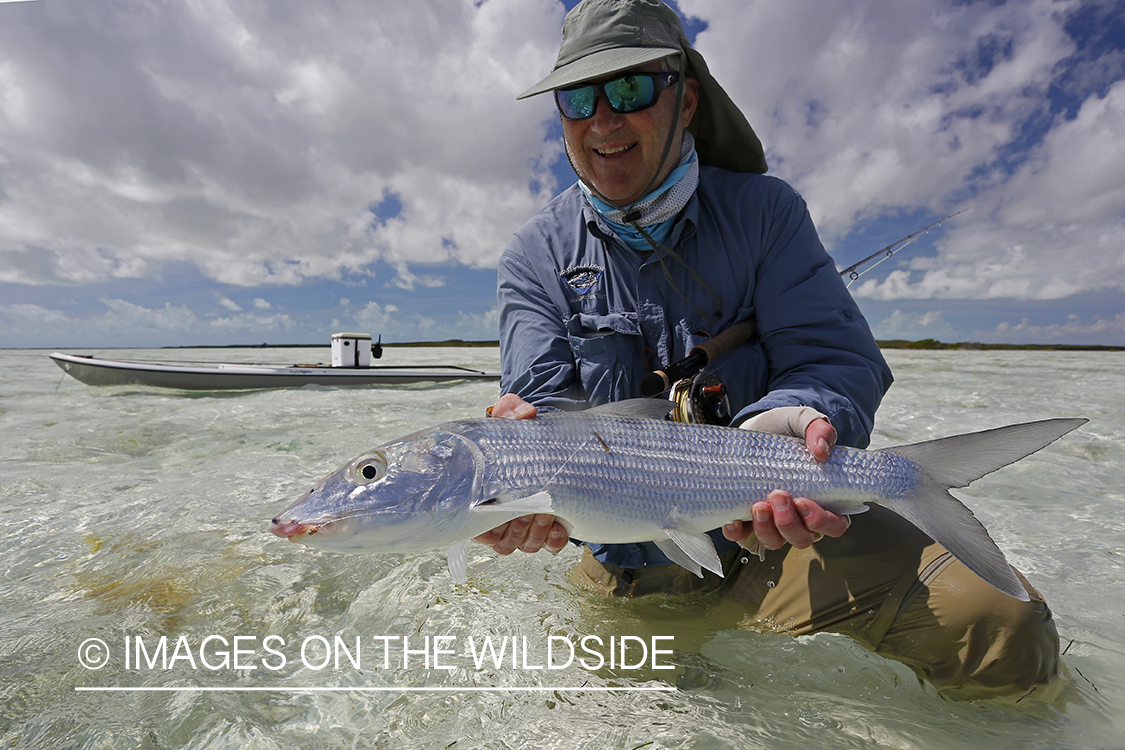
656,247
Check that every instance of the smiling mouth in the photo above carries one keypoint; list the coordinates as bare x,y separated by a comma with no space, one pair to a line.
613,151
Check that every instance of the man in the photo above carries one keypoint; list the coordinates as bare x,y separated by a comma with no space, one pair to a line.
671,236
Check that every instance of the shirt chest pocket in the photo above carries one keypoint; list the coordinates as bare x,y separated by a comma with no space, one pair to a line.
607,354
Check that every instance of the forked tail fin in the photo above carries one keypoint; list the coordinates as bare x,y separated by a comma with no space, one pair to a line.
955,462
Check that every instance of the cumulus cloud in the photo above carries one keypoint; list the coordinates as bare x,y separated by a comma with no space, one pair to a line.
873,107
869,104
405,279
148,326
252,139
1074,328
122,314
376,317
251,323
66,324
414,325
25,315
1075,175
912,326
280,144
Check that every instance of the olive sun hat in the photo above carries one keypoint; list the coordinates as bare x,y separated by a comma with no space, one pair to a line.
602,37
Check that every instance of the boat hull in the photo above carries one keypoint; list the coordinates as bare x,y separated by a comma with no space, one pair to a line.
225,377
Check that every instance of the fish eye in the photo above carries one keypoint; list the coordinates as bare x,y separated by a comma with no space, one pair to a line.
369,468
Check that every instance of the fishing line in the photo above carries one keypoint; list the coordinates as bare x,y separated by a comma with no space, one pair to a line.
570,458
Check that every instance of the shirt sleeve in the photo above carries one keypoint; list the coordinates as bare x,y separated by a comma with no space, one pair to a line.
536,360
820,350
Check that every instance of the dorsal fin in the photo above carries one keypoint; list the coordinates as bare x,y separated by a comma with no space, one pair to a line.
635,408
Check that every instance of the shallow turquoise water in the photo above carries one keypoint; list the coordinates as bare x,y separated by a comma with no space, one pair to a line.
131,514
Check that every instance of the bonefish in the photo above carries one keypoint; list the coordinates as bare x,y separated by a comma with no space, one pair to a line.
620,473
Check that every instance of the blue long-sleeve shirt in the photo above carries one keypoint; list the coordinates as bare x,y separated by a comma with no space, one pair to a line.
583,317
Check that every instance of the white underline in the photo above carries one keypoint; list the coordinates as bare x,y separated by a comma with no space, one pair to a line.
466,689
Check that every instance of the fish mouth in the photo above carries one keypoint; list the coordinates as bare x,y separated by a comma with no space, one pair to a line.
296,531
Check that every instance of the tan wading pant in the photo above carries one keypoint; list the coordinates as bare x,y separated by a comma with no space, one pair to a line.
887,585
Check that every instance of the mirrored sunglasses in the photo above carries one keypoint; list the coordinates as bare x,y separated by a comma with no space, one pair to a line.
631,92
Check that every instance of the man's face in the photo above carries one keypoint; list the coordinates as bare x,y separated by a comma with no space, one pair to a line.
618,154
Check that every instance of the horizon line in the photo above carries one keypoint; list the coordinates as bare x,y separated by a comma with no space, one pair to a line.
316,689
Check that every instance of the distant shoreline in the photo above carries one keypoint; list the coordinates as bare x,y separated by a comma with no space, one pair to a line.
926,344
450,342
977,346
888,344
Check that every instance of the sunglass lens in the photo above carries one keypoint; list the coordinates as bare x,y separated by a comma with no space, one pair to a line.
630,93
576,104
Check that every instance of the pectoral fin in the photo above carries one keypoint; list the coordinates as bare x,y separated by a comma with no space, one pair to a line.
457,557
540,502
691,550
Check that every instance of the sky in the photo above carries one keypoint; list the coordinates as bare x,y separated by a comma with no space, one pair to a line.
213,172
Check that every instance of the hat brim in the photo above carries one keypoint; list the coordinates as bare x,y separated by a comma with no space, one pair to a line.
598,64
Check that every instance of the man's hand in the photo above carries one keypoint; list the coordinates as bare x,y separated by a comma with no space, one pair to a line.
526,533
511,406
781,518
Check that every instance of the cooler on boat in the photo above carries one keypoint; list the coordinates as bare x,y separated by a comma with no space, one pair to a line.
351,350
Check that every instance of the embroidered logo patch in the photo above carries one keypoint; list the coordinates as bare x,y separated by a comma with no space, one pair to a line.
582,278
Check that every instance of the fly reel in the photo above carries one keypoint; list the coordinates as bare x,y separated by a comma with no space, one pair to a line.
701,399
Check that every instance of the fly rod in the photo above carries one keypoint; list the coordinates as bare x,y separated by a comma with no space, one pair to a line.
700,356
853,272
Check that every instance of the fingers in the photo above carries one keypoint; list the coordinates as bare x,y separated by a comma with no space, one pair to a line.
777,522
557,538
782,519
736,531
511,406
820,437
819,521
798,421
528,534
493,537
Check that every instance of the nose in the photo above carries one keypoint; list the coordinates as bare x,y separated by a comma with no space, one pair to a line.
604,119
